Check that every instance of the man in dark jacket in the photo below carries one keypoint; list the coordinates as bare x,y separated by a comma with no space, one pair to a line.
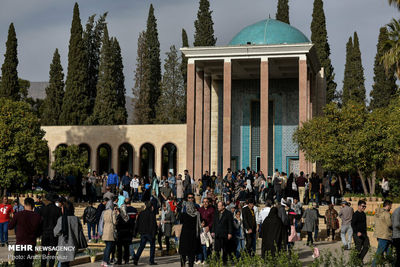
249,225
146,226
222,230
28,223
100,208
50,215
89,217
359,225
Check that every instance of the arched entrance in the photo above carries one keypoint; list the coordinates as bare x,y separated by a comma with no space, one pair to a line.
63,154
85,147
125,159
168,156
104,158
147,160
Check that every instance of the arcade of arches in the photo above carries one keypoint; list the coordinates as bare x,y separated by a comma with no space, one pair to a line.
138,149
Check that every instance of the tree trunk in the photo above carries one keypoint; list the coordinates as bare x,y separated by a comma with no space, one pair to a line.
373,182
363,182
369,184
341,185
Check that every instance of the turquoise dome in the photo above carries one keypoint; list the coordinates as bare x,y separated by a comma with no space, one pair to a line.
268,32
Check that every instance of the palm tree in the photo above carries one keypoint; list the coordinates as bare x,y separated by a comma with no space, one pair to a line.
395,3
391,59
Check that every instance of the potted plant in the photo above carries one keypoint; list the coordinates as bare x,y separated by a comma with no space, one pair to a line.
92,254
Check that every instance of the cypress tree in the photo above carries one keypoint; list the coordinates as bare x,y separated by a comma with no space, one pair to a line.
204,26
359,91
353,82
153,61
282,12
184,61
92,38
76,104
171,104
319,38
348,82
54,93
9,86
384,87
141,91
105,110
118,75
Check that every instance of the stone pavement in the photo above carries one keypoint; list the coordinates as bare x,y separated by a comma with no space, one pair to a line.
305,254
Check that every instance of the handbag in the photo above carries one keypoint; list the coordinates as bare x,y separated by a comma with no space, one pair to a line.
336,223
82,243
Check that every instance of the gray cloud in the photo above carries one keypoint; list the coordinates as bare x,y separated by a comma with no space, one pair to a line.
43,25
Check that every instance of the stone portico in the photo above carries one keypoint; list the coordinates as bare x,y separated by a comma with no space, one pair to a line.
245,100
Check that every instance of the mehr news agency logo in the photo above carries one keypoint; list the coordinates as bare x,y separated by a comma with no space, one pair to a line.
20,248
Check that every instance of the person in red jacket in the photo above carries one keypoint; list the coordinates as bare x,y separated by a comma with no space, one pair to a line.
5,214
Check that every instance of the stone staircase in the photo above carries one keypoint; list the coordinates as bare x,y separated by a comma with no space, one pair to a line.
80,208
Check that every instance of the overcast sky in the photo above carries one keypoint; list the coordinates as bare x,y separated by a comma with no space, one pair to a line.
43,25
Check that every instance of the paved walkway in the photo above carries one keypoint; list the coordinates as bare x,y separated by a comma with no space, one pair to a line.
305,254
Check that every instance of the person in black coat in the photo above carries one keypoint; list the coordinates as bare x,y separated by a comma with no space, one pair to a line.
273,233
124,238
249,225
50,215
146,226
189,241
222,230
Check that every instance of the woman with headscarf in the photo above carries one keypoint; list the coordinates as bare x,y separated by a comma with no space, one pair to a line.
310,217
189,242
167,221
273,233
107,224
67,230
331,221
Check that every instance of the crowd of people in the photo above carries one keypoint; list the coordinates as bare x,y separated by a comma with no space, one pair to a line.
213,214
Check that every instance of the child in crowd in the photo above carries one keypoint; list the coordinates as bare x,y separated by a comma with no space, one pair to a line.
293,237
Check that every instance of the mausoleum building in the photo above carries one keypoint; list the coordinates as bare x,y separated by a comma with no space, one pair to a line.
244,102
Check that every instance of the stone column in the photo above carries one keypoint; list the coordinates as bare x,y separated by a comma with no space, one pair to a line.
214,127
52,158
303,106
158,160
207,122
264,108
136,160
227,119
198,137
115,158
93,158
190,109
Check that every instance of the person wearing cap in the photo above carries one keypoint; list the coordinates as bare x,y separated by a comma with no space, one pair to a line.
383,230
346,214
17,206
39,204
50,214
